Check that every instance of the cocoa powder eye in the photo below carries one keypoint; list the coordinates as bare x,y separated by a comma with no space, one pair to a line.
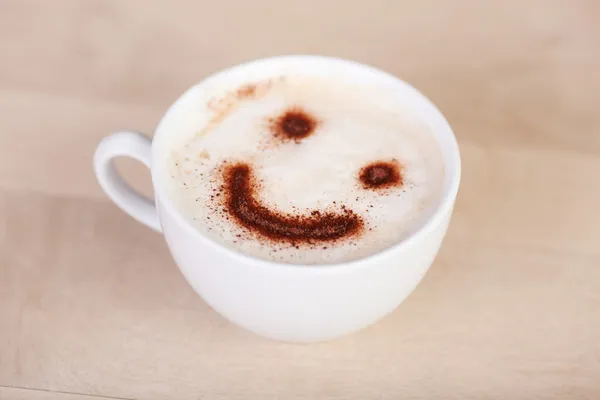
294,124
381,174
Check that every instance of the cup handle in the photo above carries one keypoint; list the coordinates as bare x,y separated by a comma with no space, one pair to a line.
138,147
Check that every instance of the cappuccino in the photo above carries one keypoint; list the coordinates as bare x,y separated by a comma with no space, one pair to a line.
301,167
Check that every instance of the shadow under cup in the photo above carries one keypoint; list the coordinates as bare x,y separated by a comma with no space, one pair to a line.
277,300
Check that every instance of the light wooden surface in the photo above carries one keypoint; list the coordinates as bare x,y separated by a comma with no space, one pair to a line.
91,305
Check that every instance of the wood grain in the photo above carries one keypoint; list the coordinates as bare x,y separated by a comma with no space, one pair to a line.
91,303
36,394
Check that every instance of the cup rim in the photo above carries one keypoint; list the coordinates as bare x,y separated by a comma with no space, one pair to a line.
444,206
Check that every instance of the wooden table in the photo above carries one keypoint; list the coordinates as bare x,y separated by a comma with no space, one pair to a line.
91,305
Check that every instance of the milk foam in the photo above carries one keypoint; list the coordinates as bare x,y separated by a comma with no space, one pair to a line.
358,124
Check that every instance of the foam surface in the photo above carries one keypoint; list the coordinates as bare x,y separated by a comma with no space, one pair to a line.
305,176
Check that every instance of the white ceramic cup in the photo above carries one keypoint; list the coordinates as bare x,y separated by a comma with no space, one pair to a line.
276,300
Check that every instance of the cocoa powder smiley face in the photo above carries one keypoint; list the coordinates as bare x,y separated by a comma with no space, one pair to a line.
241,202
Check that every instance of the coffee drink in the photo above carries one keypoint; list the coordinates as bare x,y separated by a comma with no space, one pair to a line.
301,167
